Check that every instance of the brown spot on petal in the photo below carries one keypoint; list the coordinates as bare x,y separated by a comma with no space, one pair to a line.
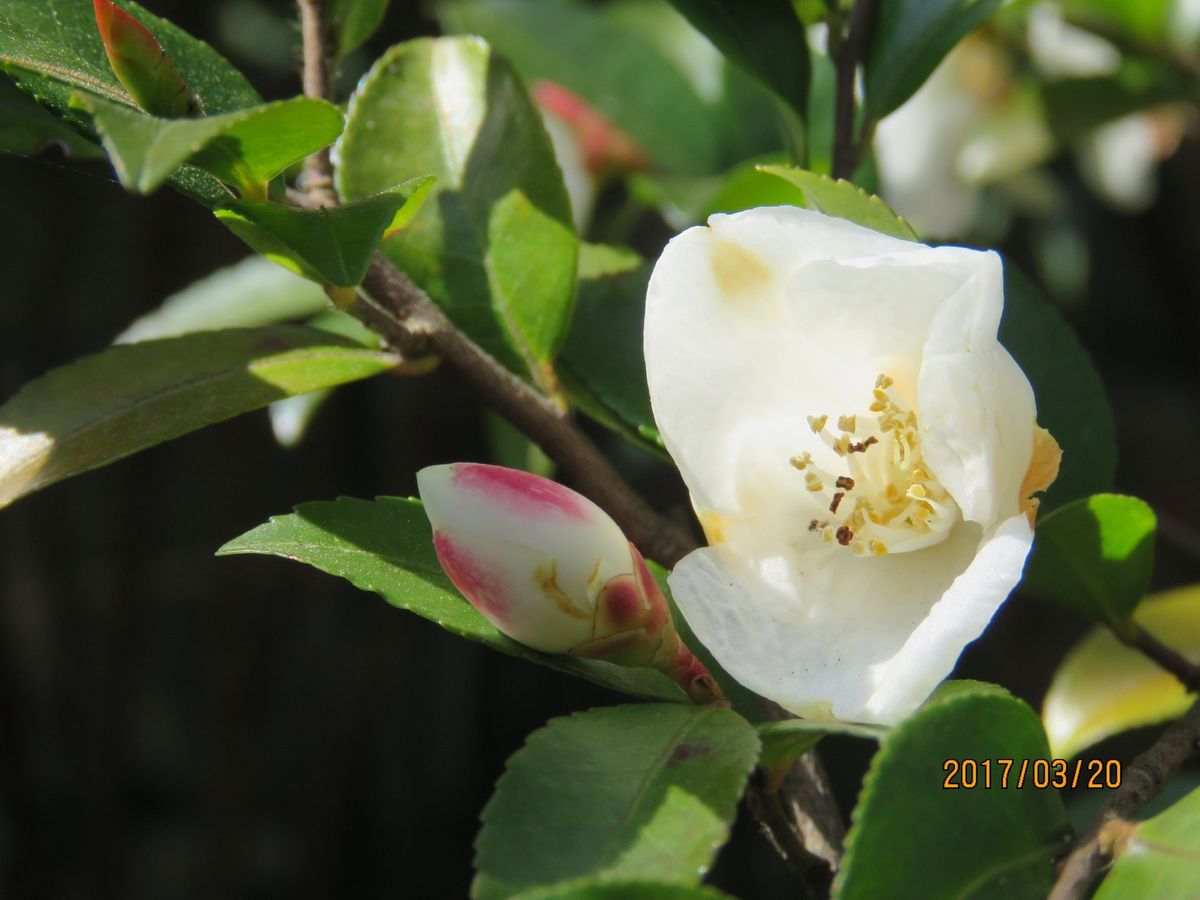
738,271
1043,469
547,579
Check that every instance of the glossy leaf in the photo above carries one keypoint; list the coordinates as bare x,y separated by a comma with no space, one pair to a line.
496,248
908,40
254,291
105,407
630,61
1160,858
142,65
1103,687
330,246
386,546
910,837
355,21
1071,403
845,200
764,37
790,739
623,793
1094,556
601,362
246,148
53,50
27,128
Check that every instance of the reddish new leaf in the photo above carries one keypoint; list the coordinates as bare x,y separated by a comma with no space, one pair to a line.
141,64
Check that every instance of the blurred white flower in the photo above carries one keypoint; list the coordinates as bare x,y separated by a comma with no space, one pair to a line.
858,446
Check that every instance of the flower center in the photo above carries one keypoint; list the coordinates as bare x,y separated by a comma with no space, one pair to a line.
887,501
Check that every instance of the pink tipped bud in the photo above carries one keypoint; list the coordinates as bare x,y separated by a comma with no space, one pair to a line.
604,145
550,569
141,64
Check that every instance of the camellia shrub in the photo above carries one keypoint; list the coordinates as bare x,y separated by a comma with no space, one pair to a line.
883,427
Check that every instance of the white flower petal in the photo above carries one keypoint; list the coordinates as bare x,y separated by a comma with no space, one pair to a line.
861,640
976,405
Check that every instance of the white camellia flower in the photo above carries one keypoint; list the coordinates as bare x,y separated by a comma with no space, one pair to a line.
859,448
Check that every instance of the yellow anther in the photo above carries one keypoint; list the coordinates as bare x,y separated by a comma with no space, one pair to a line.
883,382
917,492
841,446
878,548
799,462
813,483
882,396
817,423
878,406
859,548
848,423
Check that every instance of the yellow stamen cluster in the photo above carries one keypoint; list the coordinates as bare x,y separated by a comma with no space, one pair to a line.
881,494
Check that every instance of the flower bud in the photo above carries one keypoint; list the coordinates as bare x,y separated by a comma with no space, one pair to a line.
551,570
142,65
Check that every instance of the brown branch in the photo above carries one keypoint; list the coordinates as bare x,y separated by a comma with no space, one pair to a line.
847,55
1140,782
416,324
1135,636
318,84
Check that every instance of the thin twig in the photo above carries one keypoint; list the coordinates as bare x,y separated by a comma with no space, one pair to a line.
318,84
847,55
415,317
1135,636
1140,782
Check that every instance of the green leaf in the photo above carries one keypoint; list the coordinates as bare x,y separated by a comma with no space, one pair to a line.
105,407
1071,403
631,61
1076,106
53,50
845,200
141,64
1160,858
908,40
1095,557
623,793
330,246
496,248
386,547
27,129
254,291
356,21
764,37
1145,18
1103,687
790,739
625,890
245,148
601,363
910,837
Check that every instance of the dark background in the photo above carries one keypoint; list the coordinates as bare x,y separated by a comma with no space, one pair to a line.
178,726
